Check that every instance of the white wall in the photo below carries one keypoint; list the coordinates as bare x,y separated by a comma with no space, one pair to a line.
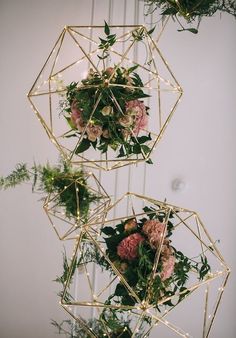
198,147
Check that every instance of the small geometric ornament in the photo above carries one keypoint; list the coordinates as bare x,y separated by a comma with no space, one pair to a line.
105,102
151,260
82,201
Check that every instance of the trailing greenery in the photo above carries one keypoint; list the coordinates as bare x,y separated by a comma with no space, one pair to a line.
70,186
191,10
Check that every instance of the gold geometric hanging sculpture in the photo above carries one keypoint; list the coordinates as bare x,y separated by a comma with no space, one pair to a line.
81,201
105,96
150,260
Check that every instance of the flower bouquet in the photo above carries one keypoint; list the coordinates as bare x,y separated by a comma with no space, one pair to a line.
143,253
106,111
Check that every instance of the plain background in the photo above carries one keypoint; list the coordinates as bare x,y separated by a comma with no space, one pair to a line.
198,148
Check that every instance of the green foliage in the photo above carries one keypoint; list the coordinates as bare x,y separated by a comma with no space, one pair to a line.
140,33
191,10
18,176
70,187
106,43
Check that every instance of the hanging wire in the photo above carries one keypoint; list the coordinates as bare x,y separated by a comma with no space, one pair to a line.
145,164
135,57
117,171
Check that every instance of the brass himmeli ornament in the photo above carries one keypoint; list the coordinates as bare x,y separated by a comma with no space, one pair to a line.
84,298
88,203
74,54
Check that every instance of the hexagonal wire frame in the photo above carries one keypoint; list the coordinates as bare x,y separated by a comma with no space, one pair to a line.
187,225
68,228
74,53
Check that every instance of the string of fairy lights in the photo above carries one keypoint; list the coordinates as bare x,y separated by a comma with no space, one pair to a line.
103,164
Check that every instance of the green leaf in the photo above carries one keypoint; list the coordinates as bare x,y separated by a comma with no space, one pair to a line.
151,30
143,139
121,152
106,29
149,161
131,69
83,146
108,231
120,290
71,124
145,149
128,300
120,228
192,30
137,148
94,144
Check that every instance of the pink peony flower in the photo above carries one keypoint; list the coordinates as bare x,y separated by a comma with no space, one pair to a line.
154,231
168,266
130,225
128,247
93,131
137,109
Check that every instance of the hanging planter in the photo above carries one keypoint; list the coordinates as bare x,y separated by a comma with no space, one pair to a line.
147,268
105,95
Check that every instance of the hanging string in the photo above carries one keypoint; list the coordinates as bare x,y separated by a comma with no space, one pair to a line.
110,12
117,171
145,164
135,57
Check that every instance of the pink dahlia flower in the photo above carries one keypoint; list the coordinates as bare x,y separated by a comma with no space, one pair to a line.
155,231
128,247
93,131
168,266
137,109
